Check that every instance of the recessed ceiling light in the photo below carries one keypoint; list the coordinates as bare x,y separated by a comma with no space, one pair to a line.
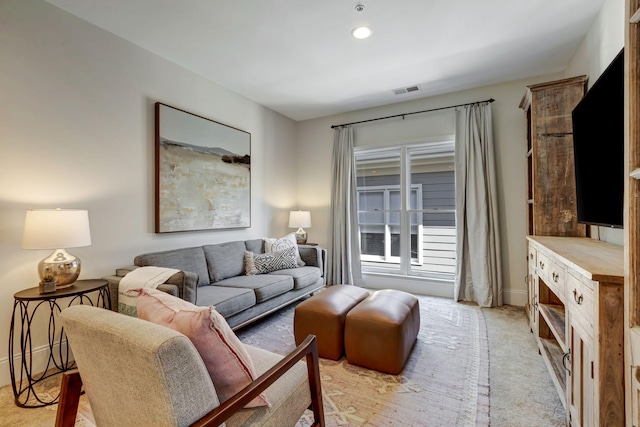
361,32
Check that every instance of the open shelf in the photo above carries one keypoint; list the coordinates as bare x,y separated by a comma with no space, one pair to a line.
551,338
552,355
554,316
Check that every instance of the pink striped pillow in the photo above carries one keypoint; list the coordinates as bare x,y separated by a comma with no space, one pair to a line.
227,361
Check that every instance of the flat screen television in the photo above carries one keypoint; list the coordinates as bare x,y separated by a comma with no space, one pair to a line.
598,139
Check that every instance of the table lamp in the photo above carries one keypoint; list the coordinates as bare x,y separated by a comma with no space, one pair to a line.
300,219
57,229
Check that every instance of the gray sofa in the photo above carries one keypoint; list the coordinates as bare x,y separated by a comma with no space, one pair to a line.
215,275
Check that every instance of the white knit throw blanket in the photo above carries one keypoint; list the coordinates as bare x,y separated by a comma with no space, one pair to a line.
142,277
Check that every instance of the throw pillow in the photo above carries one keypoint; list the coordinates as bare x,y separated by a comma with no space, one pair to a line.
266,263
227,361
272,245
249,264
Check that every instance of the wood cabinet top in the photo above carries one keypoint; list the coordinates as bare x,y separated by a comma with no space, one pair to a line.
526,99
598,261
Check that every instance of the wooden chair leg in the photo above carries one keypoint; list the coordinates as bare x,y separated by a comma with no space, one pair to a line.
69,399
313,370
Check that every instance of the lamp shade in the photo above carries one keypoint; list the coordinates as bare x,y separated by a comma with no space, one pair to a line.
299,219
56,228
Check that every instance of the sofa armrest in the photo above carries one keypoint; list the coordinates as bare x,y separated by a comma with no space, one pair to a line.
183,284
314,256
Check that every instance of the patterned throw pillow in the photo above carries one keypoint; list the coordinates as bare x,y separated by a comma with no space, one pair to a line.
272,245
266,263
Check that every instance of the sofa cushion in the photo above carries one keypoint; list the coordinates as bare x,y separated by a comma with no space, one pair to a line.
226,301
224,260
186,259
256,246
302,276
265,286
290,396
226,359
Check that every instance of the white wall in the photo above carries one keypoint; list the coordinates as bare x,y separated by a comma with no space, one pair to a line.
600,46
77,131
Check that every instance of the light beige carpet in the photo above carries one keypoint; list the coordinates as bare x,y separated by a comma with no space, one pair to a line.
13,416
444,383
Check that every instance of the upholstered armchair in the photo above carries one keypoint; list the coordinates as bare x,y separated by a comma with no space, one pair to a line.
135,372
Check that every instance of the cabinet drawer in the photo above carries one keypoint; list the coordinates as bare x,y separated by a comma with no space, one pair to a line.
543,266
533,257
556,279
580,300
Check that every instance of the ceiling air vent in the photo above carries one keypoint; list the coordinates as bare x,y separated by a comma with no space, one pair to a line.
406,90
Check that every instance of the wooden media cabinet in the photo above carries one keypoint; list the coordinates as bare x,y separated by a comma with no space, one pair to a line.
577,311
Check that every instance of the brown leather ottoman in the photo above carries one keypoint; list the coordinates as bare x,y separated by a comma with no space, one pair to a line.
323,315
381,330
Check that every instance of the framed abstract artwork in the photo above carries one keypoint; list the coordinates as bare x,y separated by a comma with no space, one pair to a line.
203,173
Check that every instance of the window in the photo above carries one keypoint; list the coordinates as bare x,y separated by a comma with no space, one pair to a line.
406,209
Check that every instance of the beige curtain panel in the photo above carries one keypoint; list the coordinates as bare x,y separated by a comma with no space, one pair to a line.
478,270
343,264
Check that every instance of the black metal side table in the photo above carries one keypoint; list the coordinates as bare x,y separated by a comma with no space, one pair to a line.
23,380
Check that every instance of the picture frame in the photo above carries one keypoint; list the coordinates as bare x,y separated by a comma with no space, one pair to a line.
202,173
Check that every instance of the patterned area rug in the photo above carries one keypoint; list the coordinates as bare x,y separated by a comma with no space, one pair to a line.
444,383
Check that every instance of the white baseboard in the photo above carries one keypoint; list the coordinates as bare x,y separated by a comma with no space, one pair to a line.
433,288
39,363
515,297
409,284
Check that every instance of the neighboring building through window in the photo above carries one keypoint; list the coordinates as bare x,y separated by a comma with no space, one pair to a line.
406,209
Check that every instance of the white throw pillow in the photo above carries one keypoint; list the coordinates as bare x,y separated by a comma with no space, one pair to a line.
272,245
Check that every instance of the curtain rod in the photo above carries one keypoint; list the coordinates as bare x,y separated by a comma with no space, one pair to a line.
415,112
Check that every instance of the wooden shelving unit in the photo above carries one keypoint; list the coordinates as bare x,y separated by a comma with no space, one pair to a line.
550,193
632,206
549,139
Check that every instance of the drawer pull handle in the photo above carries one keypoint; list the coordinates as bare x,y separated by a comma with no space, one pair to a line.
577,298
531,256
555,276
566,359
541,265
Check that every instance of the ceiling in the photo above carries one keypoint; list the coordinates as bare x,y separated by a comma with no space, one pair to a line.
299,58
